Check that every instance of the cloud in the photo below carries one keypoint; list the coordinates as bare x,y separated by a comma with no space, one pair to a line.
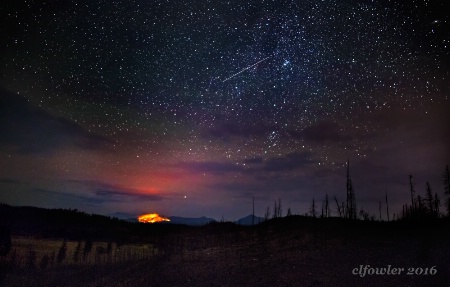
10,181
111,193
210,167
255,160
67,197
114,193
289,162
257,165
92,193
291,188
321,132
29,130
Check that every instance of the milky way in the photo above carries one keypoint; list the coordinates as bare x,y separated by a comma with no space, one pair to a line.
194,107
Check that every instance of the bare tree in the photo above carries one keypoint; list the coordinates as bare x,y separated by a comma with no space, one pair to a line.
313,208
446,180
327,206
280,209
379,208
338,207
411,187
351,200
267,214
275,210
437,203
387,206
419,203
429,199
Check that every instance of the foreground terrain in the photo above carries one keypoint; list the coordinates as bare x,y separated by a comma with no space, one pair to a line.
291,251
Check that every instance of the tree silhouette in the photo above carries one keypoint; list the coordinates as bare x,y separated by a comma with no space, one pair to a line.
364,214
411,187
437,203
387,206
429,199
379,208
275,210
419,206
446,180
338,206
289,213
280,209
267,214
327,206
313,208
351,201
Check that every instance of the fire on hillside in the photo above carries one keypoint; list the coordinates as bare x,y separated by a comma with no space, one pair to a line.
152,218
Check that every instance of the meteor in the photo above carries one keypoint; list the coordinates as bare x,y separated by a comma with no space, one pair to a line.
245,69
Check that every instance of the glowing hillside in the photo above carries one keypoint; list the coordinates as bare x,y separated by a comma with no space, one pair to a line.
152,218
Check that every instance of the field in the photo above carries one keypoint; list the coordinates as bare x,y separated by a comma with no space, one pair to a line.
290,251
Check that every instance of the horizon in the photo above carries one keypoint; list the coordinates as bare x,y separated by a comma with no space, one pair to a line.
194,109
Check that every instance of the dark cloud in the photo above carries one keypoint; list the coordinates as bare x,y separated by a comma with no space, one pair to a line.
322,132
210,167
296,188
27,129
95,193
254,160
68,197
10,181
114,193
289,162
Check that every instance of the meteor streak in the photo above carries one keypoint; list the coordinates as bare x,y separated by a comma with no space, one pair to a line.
245,69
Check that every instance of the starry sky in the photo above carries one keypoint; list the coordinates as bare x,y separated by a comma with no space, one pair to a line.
192,108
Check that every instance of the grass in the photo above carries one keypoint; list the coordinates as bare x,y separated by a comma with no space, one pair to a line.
22,246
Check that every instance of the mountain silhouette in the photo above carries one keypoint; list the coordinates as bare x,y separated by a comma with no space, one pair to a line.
249,220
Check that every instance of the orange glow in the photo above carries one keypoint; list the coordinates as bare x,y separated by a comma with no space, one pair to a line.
152,218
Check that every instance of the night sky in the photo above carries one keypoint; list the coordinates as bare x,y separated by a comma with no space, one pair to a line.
191,108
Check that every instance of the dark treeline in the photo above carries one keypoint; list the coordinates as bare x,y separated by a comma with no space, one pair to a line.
76,225
423,206
427,205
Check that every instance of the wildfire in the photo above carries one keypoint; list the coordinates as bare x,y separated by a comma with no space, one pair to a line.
152,218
